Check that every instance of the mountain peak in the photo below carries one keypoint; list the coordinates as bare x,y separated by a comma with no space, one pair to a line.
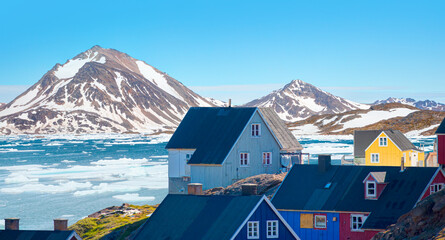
298,100
100,90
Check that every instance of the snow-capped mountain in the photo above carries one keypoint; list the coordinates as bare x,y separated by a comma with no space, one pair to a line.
299,100
425,105
101,90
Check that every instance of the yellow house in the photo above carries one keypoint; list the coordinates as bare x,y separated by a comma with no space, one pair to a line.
385,148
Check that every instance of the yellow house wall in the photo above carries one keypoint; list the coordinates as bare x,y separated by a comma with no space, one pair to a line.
390,155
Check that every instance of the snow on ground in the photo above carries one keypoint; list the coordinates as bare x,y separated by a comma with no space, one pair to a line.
372,117
418,132
306,129
157,79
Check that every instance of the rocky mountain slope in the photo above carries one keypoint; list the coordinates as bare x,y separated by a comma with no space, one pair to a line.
425,105
299,100
408,119
100,90
425,221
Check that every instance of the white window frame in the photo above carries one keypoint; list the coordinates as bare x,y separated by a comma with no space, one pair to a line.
357,216
265,158
383,141
325,221
253,230
241,159
373,159
435,187
367,189
255,132
272,229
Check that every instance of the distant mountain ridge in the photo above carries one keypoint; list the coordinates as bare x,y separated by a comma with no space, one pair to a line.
298,100
425,105
408,119
101,90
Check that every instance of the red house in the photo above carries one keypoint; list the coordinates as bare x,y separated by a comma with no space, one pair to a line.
440,132
351,202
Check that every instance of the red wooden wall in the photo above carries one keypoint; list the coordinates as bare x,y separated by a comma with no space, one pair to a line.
441,149
347,234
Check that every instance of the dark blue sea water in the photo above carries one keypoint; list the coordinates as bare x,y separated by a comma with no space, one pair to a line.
42,178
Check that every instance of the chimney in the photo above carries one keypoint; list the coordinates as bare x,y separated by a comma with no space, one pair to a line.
60,224
248,189
324,162
230,103
12,223
194,188
402,165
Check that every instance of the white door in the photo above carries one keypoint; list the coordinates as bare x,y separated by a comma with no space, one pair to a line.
414,159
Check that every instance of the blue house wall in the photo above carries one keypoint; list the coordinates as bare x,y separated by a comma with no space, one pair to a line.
262,214
332,230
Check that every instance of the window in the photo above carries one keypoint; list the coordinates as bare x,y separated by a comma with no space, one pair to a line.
272,229
319,221
371,189
267,158
383,142
253,230
357,222
375,158
436,187
244,159
256,130
188,156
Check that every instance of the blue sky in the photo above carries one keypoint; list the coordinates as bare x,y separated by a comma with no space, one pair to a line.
360,50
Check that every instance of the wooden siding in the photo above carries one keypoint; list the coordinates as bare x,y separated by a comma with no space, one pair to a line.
441,149
331,231
440,178
177,164
231,171
390,155
345,229
262,214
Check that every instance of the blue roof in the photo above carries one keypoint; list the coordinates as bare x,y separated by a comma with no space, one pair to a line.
305,188
197,217
34,235
211,131
441,128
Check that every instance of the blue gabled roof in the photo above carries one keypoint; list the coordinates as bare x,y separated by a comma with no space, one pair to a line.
211,131
305,188
34,235
441,128
197,217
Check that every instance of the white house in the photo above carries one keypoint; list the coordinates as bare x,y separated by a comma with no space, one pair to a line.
218,146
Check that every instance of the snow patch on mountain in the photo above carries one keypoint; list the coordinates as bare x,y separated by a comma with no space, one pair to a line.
372,117
69,69
156,78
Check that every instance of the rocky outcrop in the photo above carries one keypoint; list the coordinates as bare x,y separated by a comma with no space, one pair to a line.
267,185
299,100
425,221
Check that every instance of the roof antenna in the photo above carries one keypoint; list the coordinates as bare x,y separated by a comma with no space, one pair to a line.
230,103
